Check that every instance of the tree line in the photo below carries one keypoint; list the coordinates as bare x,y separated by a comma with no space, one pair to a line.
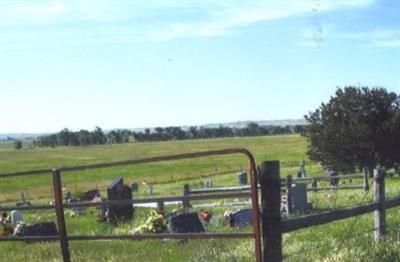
83,137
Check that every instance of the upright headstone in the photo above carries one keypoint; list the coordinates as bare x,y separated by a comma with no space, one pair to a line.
299,198
242,178
16,216
68,196
150,189
302,171
23,202
185,223
118,191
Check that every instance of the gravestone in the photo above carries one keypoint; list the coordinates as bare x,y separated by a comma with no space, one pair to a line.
16,216
118,191
302,170
242,178
40,229
185,223
90,194
68,196
242,218
299,197
150,189
78,210
23,202
134,187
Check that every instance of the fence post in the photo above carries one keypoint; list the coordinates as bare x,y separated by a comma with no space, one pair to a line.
366,184
60,215
289,182
186,192
314,184
379,197
270,184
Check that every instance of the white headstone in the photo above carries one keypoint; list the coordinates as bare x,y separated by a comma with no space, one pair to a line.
16,216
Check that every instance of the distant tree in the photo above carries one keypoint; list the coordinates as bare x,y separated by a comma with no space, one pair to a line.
18,144
358,127
99,136
63,137
299,129
253,129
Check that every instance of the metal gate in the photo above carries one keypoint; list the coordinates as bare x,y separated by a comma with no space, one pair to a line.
63,237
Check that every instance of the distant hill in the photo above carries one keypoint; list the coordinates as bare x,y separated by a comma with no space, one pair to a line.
23,136
242,124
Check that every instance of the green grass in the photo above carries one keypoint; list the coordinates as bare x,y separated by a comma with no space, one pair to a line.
346,240
289,149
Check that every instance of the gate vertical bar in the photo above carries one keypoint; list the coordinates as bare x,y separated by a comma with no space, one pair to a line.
270,184
254,203
60,215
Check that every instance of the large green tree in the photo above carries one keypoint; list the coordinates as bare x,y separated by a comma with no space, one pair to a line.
358,127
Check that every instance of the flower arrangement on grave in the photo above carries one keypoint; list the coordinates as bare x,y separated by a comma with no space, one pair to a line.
205,216
6,227
155,223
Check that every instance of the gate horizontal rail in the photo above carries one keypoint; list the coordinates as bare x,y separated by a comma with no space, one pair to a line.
133,201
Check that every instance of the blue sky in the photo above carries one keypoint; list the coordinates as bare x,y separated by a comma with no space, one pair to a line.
127,64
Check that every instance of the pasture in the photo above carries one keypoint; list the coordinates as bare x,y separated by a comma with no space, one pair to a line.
347,240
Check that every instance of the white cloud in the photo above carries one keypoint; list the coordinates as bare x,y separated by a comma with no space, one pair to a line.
385,38
28,12
138,21
227,18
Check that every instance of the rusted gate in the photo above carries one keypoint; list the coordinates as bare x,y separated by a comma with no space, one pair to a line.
63,237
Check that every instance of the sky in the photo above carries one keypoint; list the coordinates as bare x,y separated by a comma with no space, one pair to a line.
131,64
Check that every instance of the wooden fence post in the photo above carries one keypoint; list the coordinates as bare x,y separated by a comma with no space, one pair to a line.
289,182
186,203
366,184
314,184
270,184
60,215
379,197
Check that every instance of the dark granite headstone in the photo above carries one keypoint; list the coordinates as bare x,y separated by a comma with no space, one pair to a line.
40,229
185,223
118,191
242,178
299,197
242,218
90,194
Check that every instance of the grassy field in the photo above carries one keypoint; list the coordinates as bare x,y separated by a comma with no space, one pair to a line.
347,240
289,149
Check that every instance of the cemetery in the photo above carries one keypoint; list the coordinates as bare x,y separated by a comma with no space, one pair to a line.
126,207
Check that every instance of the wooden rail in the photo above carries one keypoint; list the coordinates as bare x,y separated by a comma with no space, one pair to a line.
378,207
